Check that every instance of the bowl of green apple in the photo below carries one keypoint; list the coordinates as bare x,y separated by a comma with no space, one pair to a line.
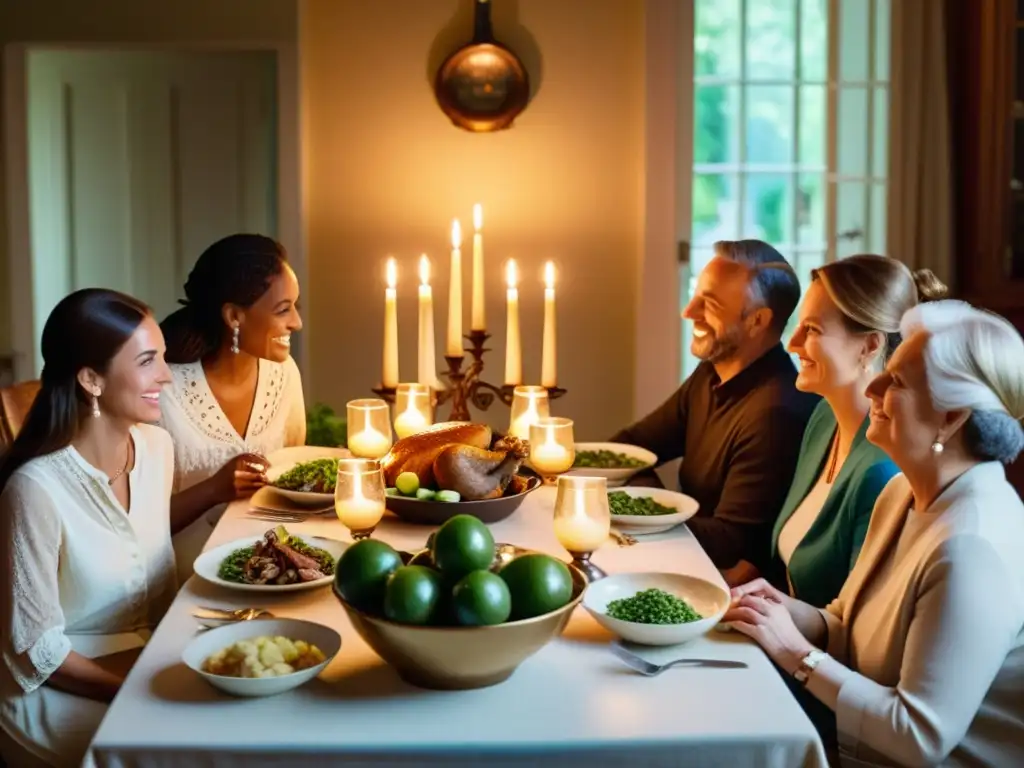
409,500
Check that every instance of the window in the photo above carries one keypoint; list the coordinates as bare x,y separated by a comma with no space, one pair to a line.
790,110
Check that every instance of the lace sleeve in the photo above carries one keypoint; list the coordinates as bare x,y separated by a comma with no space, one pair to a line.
34,643
295,425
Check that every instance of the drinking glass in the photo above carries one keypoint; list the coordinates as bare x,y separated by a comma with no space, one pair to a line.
582,519
552,447
359,496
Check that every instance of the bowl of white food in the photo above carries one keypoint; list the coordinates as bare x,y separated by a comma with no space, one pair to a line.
262,657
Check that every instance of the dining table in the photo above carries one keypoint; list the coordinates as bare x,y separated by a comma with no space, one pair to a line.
572,703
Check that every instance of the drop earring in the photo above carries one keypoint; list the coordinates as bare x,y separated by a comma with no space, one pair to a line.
234,339
95,406
937,447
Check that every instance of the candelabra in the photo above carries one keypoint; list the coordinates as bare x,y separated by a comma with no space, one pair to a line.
465,387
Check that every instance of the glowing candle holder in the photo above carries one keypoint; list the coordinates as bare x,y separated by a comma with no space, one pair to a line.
369,428
552,447
529,405
582,520
359,497
413,410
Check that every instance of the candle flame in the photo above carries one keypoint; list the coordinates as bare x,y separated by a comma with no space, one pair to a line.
392,273
511,274
478,217
456,234
424,270
549,274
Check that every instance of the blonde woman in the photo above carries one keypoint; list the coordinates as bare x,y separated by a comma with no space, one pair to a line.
921,656
848,329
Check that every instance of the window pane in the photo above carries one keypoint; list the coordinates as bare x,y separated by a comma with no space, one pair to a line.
716,136
810,210
880,134
850,219
771,39
769,124
716,39
854,29
768,207
812,126
879,203
814,40
803,264
715,209
883,41
852,131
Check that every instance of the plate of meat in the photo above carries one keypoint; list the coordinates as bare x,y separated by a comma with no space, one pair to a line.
456,468
278,562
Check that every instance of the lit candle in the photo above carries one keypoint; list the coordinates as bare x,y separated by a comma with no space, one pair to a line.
548,375
427,373
513,350
529,405
454,346
550,457
369,443
580,532
357,512
390,376
478,320
410,421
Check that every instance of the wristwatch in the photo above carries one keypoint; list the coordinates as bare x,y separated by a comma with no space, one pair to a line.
808,664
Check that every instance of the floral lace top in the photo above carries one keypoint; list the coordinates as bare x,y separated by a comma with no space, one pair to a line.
86,574
204,439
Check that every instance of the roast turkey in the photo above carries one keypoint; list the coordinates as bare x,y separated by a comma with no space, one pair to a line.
458,456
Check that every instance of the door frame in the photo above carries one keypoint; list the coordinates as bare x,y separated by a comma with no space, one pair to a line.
665,211
290,193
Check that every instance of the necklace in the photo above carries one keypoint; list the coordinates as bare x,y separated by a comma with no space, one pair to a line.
833,460
127,461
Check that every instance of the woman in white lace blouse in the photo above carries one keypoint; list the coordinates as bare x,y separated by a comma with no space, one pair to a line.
85,527
236,394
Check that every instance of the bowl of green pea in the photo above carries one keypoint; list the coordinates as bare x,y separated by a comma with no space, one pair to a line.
615,462
656,608
638,510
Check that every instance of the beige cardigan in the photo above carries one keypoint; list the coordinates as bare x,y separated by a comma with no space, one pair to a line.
934,641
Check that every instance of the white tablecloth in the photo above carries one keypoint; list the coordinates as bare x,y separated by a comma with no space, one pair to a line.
573,703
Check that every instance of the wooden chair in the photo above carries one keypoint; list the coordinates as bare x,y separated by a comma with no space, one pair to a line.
15,402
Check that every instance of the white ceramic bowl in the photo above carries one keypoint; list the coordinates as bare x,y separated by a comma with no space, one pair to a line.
685,506
208,564
618,476
286,458
209,642
708,599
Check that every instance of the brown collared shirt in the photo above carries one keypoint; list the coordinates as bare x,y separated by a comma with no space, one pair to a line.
739,442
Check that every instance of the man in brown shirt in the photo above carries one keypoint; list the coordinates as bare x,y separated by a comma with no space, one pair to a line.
738,420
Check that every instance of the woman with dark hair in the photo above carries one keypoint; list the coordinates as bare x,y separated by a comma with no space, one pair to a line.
85,525
236,394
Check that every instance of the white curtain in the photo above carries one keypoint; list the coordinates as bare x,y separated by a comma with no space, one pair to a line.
920,215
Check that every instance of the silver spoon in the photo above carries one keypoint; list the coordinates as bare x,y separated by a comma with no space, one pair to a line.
238,614
647,668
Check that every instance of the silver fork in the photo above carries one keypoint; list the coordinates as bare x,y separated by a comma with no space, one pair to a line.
651,670
237,614
622,539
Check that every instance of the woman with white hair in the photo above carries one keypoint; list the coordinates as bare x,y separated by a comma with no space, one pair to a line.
921,656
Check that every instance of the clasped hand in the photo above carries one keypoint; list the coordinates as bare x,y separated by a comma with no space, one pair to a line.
761,612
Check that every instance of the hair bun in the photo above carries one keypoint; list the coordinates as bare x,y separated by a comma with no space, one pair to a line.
929,287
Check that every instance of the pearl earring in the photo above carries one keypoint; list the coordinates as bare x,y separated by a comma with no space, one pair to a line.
234,339
938,447
95,406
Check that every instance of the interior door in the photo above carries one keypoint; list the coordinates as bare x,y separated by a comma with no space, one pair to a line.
138,161
790,129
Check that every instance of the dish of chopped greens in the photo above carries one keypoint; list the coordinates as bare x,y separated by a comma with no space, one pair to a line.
621,503
653,606
278,558
316,476
605,459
